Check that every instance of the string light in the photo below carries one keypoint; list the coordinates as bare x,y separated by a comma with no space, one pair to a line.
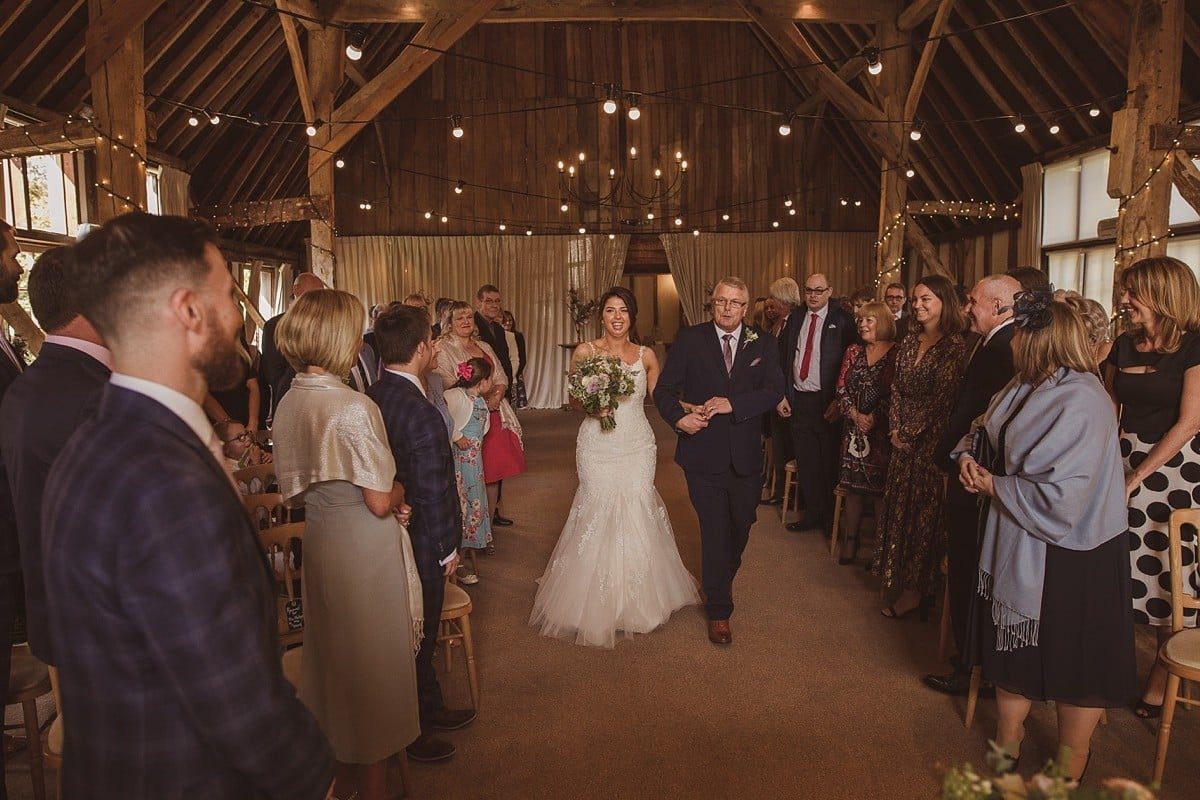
915,133
844,202
874,65
792,212
193,120
311,128
582,229
428,215
788,202
445,219
634,113
358,40
695,231
650,215
1094,112
785,127
529,231
612,236
678,221
214,119
725,217
564,207
502,226
610,99
458,187
456,128
775,224
1054,129
910,172
1019,127
340,163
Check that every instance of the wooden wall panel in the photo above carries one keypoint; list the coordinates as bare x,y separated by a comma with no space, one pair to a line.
736,158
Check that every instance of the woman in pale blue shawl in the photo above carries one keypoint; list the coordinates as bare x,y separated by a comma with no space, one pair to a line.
1053,618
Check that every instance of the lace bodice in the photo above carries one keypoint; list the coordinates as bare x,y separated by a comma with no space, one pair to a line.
619,455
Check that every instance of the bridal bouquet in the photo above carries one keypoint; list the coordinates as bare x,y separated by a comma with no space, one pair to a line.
598,383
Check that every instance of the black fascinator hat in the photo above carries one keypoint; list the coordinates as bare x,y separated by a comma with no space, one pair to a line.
1031,308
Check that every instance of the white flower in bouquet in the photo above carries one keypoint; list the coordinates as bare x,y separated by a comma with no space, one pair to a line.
598,383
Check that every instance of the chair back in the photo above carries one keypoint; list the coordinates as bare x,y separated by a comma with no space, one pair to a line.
279,543
1181,596
257,479
266,509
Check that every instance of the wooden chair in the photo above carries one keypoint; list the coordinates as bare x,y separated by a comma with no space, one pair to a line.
455,628
1179,655
257,479
839,498
266,509
278,543
29,679
791,490
768,466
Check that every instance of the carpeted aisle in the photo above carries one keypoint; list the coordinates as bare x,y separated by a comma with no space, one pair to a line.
817,697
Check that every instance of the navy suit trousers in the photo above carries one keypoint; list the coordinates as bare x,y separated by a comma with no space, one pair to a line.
816,446
727,505
429,692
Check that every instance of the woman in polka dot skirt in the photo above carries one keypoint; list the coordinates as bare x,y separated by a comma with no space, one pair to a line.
1153,373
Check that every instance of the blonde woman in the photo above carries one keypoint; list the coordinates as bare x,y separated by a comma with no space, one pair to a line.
1095,320
1051,619
503,453
1153,374
361,592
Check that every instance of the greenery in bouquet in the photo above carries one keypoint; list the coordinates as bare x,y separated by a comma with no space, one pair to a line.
581,311
1052,783
598,383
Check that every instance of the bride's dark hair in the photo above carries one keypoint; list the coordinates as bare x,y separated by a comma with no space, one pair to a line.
626,297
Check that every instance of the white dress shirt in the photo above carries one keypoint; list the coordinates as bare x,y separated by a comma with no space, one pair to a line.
996,329
733,343
413,379
96,351
813,382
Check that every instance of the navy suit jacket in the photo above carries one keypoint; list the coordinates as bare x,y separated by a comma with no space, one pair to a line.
164,622
41,410
10,550
839,333
493,334
695,373
417,435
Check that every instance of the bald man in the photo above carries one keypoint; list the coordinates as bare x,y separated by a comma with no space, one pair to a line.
990,367
273,371
814,340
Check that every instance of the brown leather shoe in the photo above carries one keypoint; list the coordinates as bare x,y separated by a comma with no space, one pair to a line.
718,631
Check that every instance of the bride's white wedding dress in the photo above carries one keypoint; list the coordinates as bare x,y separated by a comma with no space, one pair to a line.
615,567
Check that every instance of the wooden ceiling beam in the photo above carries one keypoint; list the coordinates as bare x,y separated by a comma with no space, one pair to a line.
299,70
1187,179
423,50
608,10
944,85
1108,23
278,104
47,137
185,59
306,9
180,19
940,19
252,159
9,11
1059,45
917,12
850,71
265,212
106,35
50,22
58,67
1162,137
239,41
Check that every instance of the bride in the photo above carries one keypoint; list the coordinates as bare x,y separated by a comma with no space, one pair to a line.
615,567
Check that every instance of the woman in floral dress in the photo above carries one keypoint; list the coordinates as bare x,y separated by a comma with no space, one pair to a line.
929,365
471,417
863,395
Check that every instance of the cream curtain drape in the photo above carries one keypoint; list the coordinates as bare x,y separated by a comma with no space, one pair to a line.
698,262
533,273
173,191
1029,243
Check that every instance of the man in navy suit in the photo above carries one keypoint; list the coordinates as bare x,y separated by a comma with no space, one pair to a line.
424,467
41,410
162,608
719,379
814,341
10,556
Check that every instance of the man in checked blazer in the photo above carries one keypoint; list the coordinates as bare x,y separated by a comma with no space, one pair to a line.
424,467
43,407
161,606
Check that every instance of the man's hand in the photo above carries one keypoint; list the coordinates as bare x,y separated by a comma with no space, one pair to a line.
452,565
718,405
403,513
691,424
784,409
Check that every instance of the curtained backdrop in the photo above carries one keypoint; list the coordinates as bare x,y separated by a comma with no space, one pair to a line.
535,272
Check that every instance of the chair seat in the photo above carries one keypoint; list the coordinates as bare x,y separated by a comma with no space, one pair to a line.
456,600
26,675
1182,651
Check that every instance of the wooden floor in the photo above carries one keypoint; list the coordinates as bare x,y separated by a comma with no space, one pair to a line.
818,697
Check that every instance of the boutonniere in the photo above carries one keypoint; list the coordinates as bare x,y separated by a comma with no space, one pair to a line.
751,335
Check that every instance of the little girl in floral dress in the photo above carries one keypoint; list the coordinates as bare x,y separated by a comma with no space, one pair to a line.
470,415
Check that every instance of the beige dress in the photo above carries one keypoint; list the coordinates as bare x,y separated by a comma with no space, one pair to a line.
359,674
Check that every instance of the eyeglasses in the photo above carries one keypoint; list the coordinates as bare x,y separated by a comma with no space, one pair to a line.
727,303
816,291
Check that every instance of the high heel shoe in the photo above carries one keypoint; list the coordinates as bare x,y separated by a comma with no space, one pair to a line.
844,560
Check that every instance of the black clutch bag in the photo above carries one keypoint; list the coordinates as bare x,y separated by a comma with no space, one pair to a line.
869,398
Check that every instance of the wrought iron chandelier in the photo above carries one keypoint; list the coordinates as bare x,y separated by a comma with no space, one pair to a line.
622,187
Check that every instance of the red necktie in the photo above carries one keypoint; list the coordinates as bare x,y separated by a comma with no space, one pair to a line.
807,358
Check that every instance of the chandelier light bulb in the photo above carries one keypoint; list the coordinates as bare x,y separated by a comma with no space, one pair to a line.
633,152
612,173
582,157
679,155
571,170
560,166
456,128
683,166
